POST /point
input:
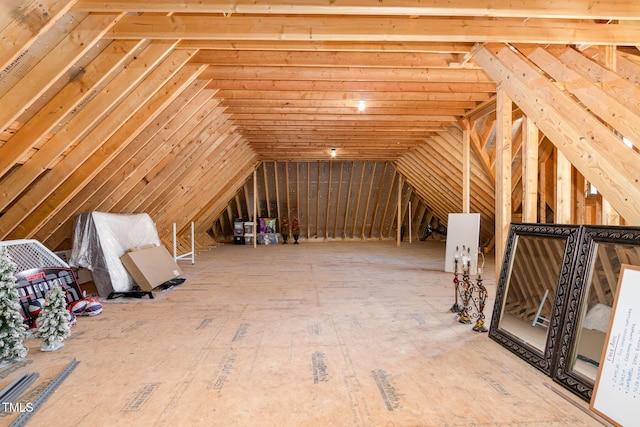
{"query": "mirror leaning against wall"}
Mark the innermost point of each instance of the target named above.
(532, 289)
(600, 255)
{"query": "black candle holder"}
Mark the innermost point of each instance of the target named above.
(473, 295)
(479, 303)
(456, 307)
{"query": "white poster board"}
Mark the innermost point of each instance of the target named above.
(616, 394)
(463, 229)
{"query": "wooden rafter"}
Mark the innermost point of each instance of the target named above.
(21, 25)
(341, 28)
(129, 167)
(580, 132)
(608, 9)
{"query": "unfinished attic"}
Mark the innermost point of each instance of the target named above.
(365, 123)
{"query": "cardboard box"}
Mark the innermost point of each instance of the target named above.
(150, 267)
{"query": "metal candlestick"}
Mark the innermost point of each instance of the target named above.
(467, 287)
(472, 295)
(480, 300)
(456, 308)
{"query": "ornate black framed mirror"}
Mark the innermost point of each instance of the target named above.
(601, 252)
(531, 290)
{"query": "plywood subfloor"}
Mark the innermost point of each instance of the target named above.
(324, 334)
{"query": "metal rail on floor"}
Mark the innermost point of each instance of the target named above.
(44, 395)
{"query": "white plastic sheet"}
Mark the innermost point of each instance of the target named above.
(100, 239)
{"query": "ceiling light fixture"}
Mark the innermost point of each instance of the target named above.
(333, 152)
(361, 105)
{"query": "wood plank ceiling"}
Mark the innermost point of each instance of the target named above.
(168, 106)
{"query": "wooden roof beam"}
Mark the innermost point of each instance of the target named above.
(320, 112)
(342, 28)
(372, 98)
(614, 99)
(159, 177)
(311, 140)
(266, 58)
(356, 133)
(586, 142)
(347, 103)
(20, 26)
(211, 210)
(381, 118)
(343, 74)
(74, 93)
(570, 9)
(352, 86)
(84, 120)
(346, 124)
(49, 69)
(85, 161)
(328, 46)
(321, 155)
(207, 176)
(482, 110)
(130, 163)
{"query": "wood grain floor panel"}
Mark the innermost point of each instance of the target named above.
(316, 334)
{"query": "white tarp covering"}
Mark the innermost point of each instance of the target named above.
(100, 239)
